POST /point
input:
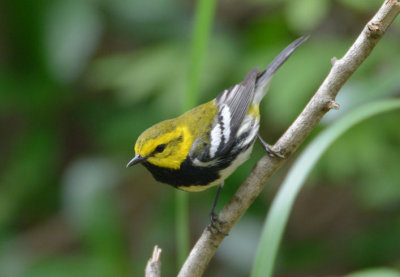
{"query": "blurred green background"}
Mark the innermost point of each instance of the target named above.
(80, 80)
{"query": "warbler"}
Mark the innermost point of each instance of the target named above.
(205, 145)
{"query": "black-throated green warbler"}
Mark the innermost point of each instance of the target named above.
(202, 147)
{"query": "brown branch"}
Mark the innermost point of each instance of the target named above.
(153, 267)
(320, 103)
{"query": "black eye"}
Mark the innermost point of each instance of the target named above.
(160, 148)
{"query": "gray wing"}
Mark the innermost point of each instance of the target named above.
(233, 106)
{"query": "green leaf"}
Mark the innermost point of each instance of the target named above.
(280, 209)
(136, 76)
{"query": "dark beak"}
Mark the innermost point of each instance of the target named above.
(137, 159)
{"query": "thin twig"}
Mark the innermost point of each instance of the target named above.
(153, 267)
(320, 103)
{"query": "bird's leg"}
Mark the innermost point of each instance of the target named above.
(214, 221)
(268, 148)
(214, 205)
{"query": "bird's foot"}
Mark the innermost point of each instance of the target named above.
(215, 224)
(271, 152)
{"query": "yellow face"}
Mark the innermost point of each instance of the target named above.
(165, 145)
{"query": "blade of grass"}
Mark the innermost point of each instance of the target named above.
(375, 272)
(280, 209)
(204, 16)
(182, 225)
(201, 33)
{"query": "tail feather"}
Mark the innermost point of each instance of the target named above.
(265, 76)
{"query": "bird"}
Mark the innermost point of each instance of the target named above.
(205, 145)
